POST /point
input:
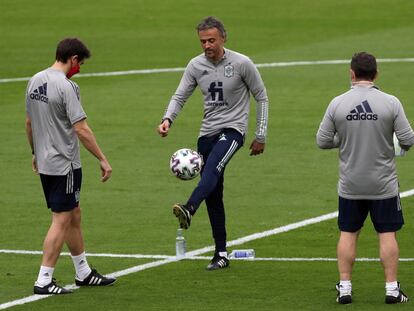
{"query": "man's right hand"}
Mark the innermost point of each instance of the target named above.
(106, 170)
(163, 128)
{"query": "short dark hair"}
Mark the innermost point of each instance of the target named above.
(69, 47)
(212, 22)
(364, 66)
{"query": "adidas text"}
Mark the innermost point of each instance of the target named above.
(42, 98)
(362, 116)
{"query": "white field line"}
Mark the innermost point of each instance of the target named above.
(187, 257)
(173, 259)
(195, 253)
(138, 256)
(169, 257)
(180, 69)
(362, 259)
(157, 263)
(298, 259)
(407, 193)
(144, 256)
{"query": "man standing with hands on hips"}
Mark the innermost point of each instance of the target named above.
(226, 79)
(55, 120)
(361, 123)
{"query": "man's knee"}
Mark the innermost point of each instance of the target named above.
(61, 221)
(76, 217)
(387, 238)
(349, 238)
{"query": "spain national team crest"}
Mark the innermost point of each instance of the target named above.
(228, 71)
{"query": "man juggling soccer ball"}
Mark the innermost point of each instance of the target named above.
(226, 79)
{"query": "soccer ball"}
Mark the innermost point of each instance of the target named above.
(186, 164)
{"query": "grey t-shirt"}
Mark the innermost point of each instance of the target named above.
(53, 105)
(226, 88)
(361, 122)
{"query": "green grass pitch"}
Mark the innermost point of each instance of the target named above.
(131, 214)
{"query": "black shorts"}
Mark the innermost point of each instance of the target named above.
(386, 214)
(62, 193)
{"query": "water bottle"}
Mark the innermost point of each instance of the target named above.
(242, 254)
(180, 244)
(398, 151)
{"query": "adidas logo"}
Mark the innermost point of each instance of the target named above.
(205, 72)
(222, 137)
(362, 112)
(40, 93)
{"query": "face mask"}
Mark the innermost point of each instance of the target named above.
(73, 71)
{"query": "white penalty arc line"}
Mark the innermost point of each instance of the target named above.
(197, 252)
(181, 69)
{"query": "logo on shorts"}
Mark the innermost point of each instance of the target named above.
(362, 112)
(40, 93)
(228, 71)
(77, 195)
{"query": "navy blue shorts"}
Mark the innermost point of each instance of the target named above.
(62, 193)
(386, 214)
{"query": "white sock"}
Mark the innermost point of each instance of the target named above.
(223, 254)
(391, 289)
(81, 266)
(45, 276)
(345, 287)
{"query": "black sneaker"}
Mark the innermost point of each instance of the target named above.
(218, 262)
(95, 279)
(344, 296)
(50, 289)
(401, 298)
(183, 214)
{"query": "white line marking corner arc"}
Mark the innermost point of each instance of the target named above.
(180, 69)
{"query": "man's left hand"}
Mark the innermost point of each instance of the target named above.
(256, 148)
(34, 165)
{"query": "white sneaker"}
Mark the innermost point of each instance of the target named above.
(344, 295)
(399, 298)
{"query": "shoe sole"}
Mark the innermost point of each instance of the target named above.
(344, 300)
(43, 294)
(394, 300)
(180, 214)
(95, 285)
(216, 268)
(48, 293)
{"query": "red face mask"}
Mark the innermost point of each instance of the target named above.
(73, 71)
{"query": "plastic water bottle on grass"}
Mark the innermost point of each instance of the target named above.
(180, 244)
(242, 254)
